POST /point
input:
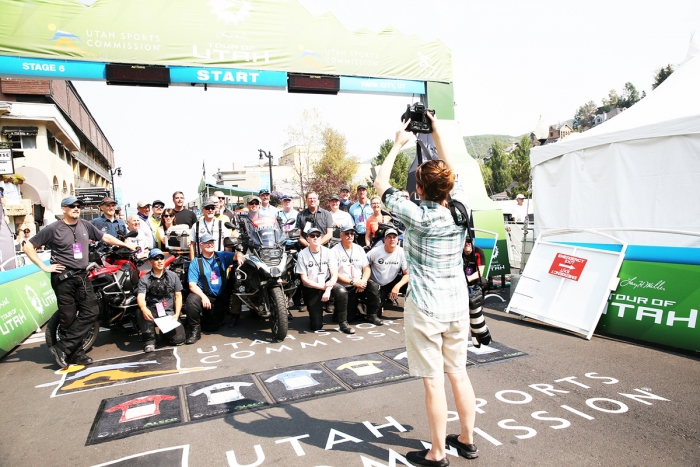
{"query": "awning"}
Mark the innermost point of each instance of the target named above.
(210, 188)
(20, 130)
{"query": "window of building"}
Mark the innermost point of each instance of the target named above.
(54, 187)
(52, 141)
(22, 141)
(65, 188)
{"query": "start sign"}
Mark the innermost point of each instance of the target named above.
(567, 266)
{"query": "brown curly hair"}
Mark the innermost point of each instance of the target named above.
(436, 180)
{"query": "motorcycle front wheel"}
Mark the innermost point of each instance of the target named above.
(279, 313)
(53, 325)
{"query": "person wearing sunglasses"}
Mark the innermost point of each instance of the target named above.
(159, 295)
(354, 273)
(143, 209)
(223, 205)
(167, 223)
(208, 224)
(266, 209)
(318, 270)
(77, 304)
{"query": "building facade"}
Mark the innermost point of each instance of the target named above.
(57, 147)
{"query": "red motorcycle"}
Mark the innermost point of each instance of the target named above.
(114, 275)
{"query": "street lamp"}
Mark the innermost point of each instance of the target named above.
(117, 171)
(126, 210)
(269, 160)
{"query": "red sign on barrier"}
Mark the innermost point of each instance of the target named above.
(567, 266)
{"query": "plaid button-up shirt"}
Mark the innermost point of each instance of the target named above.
(433, 244)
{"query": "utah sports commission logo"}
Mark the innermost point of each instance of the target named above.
(34, 299)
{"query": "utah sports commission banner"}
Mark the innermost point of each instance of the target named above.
(278, 35)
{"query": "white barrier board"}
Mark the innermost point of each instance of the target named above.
(566, 286)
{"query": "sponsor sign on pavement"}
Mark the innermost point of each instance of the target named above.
(299, 382)
(366, 370)
(223, 396)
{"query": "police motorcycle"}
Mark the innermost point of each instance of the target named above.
(266, 280)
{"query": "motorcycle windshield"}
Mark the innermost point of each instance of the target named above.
(265, 232)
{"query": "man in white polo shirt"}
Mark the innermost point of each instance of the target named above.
(389, 266)
(354, 273)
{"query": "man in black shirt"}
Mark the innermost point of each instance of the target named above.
(77, 305)
(314, 216)
(182, 215)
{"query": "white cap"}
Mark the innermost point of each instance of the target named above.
(520, 196)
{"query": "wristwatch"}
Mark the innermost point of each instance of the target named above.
(352, 281)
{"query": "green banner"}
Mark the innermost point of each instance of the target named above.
(26, 304)
(655, 302)
(276, 35)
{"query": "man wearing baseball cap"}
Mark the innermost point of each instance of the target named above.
(208, 224)
(287, 213)
(519, 212)
(208, 300)
(345, 201)
(354, 273)
(108, 222)
(77, 304)
(223, 205)
(389, 266)
(340, 217)
(317, 267)
(159, 295)
(145, 227)
(156, 214)
(360, 211)
(266, 209)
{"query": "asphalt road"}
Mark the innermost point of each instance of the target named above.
(569, 401)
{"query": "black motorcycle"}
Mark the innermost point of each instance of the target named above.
(266, 279)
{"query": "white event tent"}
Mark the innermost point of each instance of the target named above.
(639, 170)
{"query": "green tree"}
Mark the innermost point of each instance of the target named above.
(585, 116)
(520, 167)
(661, 75)
(630, 96)
(611, 101)
(399, 173)
(335, 168)
(500, 170)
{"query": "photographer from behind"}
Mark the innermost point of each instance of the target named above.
(77, 304)
(436, 311)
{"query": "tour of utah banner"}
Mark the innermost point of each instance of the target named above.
(270, 35)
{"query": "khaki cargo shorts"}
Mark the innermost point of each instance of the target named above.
(434, 347)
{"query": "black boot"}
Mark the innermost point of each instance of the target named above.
(374, 320)
(345, 327)
(195, 335)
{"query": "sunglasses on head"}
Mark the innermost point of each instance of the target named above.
(314, 235)
(254, 203)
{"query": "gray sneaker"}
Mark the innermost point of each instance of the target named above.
(149, 348)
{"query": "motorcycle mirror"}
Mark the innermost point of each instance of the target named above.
(132, 234)
(229, 226)
(290, 221)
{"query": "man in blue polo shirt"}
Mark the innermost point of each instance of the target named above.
(360, 211)
(208, 300)
(108, 222)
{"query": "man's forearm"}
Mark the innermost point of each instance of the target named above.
(31, 253)
(381, 183)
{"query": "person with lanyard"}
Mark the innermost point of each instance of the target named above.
(354, 273)
(266, 209)
(287, 212)
(219, 212)
(473, 258)
(208, 300)
(318, 270)
(314, 216)
(183, 215)
(144, 210)
(208, 224)
(108, 222)
(345, 201)
(134, 224)
(154, 220)
(360, 211)
(389, 266)
(436, 312)
(77, 304)
(223, 205)
(159, 295)
(372, 222)
(340, 218)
